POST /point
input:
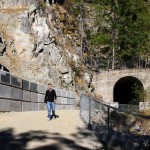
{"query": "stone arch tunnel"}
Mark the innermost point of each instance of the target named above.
(124, 90)
(115, 85)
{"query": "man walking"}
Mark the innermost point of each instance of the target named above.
(50, 99)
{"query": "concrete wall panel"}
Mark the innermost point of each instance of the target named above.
(26, 106)
(34, 106)
(63, 93)
(42, 89)
(41, 98)
(42, 106)
(4, 105)
(16, 81)
(33, 87)
(25, 85)
(15, 106)
(58, 92)
(5, 91)
(5, 77)
(16, 94)
(26, 95)
(34, 97)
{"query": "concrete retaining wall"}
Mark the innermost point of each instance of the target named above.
(17, 94)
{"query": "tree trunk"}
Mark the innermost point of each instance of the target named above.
(81, 30)
(113, 35)
(139, 64)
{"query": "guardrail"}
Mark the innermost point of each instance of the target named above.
(118, 130)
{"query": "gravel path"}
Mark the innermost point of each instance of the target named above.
(33, 131)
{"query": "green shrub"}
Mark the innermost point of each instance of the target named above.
(43, 5)
(78, 70)
(139, 94)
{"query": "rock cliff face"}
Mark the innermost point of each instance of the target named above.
(36, 41)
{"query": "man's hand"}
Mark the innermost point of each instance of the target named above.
(55, 101)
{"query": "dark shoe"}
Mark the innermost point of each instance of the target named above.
(50, 118)
(55, 116)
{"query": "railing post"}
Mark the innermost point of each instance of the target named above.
(108, 127)
(80, 104)
(89, 111)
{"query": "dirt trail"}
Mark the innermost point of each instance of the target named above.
(32, 130)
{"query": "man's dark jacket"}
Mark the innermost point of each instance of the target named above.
(50, 96)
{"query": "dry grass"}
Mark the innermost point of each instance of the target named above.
(145, 112)
(80, 83)
(125, 122)
(98, 96)
(71, 63)
(145, 126)
(13, 10)
(4, 31)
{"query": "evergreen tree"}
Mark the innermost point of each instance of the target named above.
(122, 31)
(133, 30)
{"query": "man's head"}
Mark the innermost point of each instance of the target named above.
(49, 86)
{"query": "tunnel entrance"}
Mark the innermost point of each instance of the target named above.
(128, 90)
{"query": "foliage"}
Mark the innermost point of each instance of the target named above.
(122, 26)
(43, 5)
(73, 7)
(145, 112)
(99, 39)
(71, 63)
(80, 83)
(4, 32)
(139, 94)
(77, 69)
(133, 27)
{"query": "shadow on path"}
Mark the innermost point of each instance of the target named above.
(11, 141)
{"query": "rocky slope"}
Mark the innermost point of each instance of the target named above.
(40, 42)
(33, 43)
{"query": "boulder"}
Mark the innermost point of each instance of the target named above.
(98, 119)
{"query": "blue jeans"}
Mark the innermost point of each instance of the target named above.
(50, 107)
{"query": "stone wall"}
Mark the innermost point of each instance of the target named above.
(18, 94)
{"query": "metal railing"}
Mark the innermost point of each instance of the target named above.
(118, 130)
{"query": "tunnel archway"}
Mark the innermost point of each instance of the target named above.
(124, 90)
